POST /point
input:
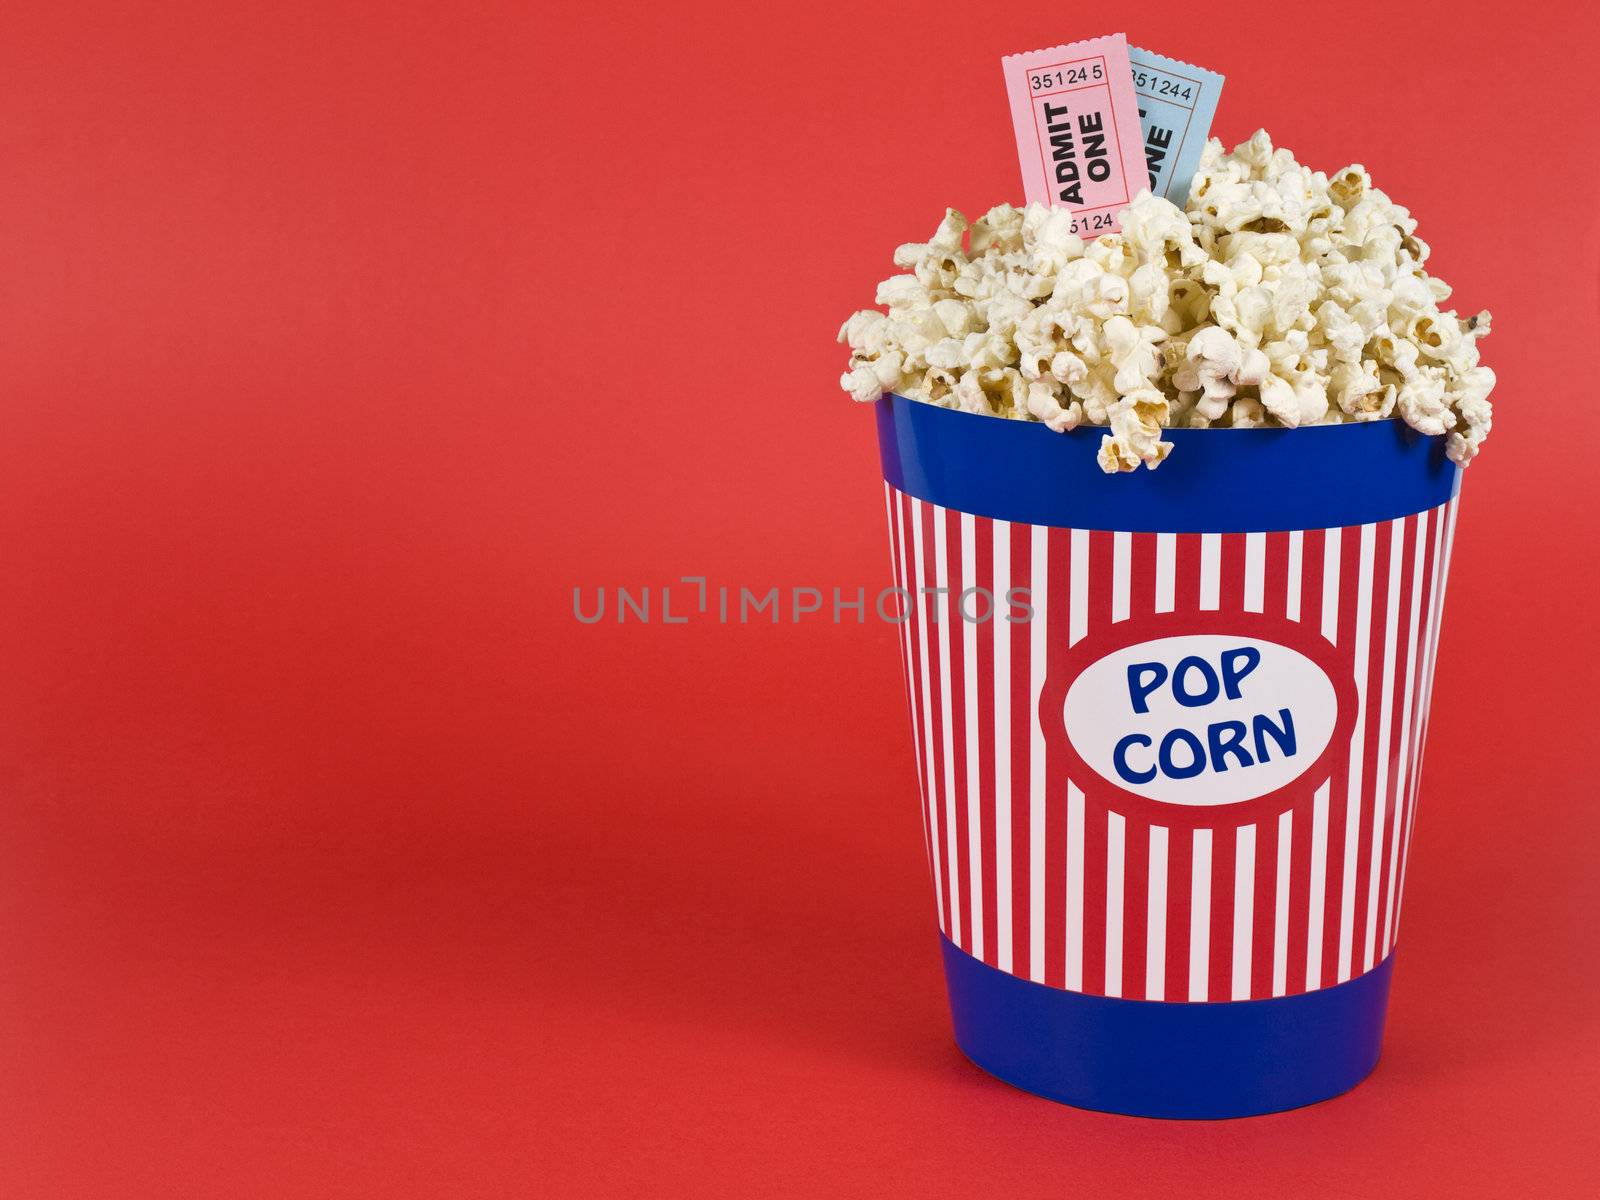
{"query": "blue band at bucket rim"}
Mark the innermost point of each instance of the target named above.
(1146, 1058)
(1214, 481)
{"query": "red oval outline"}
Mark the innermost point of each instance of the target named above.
(1108, 639)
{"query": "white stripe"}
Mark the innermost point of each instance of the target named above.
(1038, 581)
(1280, 915)
(1380, 777)
(1244, 892)
(1317, 889)
(1291, 605)
(1155, 950)
(1210, 569)
(1330, 584)
(1002, 745)
(1078, 587)
(1317, 885)
(1255, 571)
(1352, 816)
(1074, 888)
(969, 677)
(1166, 570)
(1200, 915)
(924, 671)
(1122, 564)
(1116, 834)
(1402, 789)
(941, 580)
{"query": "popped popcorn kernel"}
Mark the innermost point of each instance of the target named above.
(1279, 296)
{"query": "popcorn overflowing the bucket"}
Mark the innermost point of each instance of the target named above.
(1279, 296)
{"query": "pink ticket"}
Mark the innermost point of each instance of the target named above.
(1077, 123)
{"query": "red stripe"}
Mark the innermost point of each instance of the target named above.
(1381, 547)
(1266, 911)
(928, 605)
(1180, 874)
(1022, 719)
(1394, 783)
(1135, 905)
(983, 577)
(1338, 805)
(955, 633)
(1057, 572)
(1263, 917)
(1230, 593)
(1224, 855)
(1094, 897)
(1275, 592)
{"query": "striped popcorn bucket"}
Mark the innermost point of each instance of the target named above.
(1168, 729)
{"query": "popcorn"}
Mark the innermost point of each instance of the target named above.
(1278, 297)
(1044, 405)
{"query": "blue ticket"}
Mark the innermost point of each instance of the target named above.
(1176, 104)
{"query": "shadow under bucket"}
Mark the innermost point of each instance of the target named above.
(1168, 729)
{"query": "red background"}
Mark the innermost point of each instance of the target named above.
(339, 341)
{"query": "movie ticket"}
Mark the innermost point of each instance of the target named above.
(1076, 118)
(1176, 104)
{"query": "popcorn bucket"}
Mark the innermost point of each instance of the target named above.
(1168, 729)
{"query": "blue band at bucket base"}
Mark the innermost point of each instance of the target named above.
(1214, 481)
(1231, 1059)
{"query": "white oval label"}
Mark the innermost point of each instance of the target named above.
(1201, 719)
